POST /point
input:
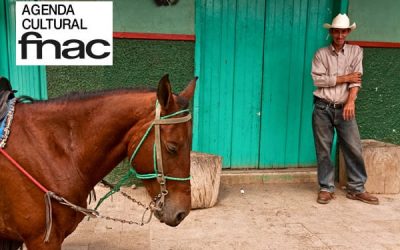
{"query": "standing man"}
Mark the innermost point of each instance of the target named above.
(337, 71)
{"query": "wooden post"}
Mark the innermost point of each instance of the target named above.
(205, 170)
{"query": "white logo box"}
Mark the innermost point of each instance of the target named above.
(79, 33)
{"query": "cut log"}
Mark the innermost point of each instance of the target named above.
(206, 176)
(382, 163)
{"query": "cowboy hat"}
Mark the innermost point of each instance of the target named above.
(341, 21)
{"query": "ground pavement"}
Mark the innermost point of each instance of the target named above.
(264, 216)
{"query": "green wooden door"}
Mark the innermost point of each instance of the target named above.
(28, 80)
(254, 99)
(293, 32)
(230, 63)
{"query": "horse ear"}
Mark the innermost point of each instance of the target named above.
(188, 92)
(164, 93)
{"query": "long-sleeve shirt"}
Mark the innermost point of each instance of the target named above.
(328, 64)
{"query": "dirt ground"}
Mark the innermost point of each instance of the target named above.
(265, 216)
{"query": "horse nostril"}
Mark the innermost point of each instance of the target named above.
(180, 216)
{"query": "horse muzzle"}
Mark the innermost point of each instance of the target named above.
(171, 217)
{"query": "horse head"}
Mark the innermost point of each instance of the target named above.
(163, 161)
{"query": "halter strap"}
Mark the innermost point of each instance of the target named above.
(159, 163)
(165, 120)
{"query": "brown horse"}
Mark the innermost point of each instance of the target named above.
(69, 144)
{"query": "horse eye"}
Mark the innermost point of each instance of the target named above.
(171, 148)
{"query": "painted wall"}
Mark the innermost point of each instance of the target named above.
(146, 16)
(376, 20)
(136, 63)
(378, 104)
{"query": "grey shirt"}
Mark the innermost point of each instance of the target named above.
(328, 64)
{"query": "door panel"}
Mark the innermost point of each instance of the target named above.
(229, 43)
(247, 83)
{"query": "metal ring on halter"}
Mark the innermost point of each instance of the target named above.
(150, 216)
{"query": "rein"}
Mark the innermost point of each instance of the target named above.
(157, 159)
(48, 196)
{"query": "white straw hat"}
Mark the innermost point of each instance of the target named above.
(341, 21)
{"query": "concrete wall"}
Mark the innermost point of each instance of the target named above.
(145, 16)
(376, 20)
(379, 99)
(378, 105)
(136, 63)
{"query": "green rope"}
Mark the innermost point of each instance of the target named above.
(174, 114)
(117, 187)
(178, 178)
(141, 142)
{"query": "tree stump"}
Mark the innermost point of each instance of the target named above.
(382, 163)
(205, 170)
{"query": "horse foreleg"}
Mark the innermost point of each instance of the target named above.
(39, 244)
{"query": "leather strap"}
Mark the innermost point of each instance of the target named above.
(183, 119)
(160, 170)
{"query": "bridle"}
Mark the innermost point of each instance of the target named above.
(157, 152)
(159, 200)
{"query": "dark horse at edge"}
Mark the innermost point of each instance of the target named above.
(70, 144)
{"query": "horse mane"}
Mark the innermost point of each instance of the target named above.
(85, 95)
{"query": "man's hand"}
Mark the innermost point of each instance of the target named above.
(354, 77)
(349, 111)
(350, 78)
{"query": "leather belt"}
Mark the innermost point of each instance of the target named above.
(328, 103)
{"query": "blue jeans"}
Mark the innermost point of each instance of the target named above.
(324, 120)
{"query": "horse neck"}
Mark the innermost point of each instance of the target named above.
(102, 128)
